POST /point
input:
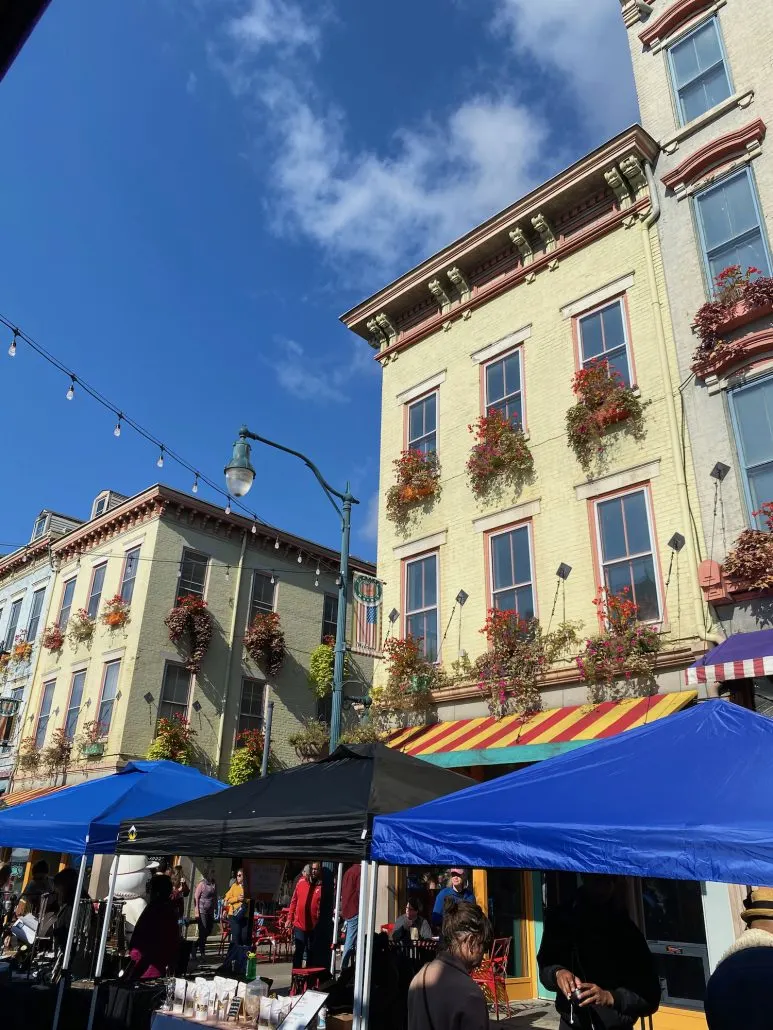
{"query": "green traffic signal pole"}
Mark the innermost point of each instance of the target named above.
(240, 474)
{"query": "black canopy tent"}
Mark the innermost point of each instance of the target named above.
(322, 810)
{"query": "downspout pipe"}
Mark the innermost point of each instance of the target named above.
(673, 423)
(231, 649)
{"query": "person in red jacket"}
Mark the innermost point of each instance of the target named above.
(350, 911)
(304, 911)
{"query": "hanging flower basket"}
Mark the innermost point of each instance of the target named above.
(21, 652)
(311, 743)
(52, 639)
(115, 613)
(321, 668)
(603, 401)
(619, 662)
(90, 741)
(80, 628)
(28, 756)
(750, 562)
(173, 741)
(407, 693)
(56, 757)
(264, 642)
(247, 758)
(418, 482)
(500, 453)
(739, 298)
(190, 626)
(5, 659)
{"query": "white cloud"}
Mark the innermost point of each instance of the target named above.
(319, 381)
(274, 23)
(368, 528)
(586, 44)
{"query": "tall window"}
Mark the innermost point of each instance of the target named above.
(504, 390)
(66, 606)
(627, 558)
(699, 71)
(39, 527)
(251, 706)
(421, 608)
(603, 337)
(130, 563)
(37, 607)
(95, 591)
(752, 408)
(262, 596)
(731, 226)
(511, 582)
(13, 623)
(44, 714)
(330, 616)
(109, 692)
(193, 574)
(175, 692)
(74, 706)
(422, 425)
(9, 722)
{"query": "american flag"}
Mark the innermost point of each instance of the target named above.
(367, 614)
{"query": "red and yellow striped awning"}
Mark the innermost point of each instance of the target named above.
(514, 739)
(18, 797)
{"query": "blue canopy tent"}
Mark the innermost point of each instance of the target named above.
(687, 797)
(84, 820)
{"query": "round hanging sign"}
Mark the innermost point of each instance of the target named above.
(367, 590)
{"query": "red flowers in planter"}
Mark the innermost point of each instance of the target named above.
(620, 661)
(737, 297)
(500, 450)
(603, 400)
(264, 642)
(190, 622)
(751, 560)
(418, 479)
(115, 614)
(52, 639)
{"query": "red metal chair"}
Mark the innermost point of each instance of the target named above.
(302, 980)
(491, 975)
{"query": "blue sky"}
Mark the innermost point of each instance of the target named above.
(192, 191)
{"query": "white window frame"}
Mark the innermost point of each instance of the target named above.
(96, 594)
(133, 579)
(428, 608)
(505, 531)
(65, 586)
(675, 94)
(642, 488)
(252, 611)
(39, 529)
(489, 404)
(44, 715)
(74, 708)
(580, 315)
(421, 400)
(105, 729)
(32, 630)
(176, 707)
(186, 593)
(14, 617)
(262, 686)
(732, 394)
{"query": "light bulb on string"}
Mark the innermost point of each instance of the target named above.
(254, 527)
(300, 558)
(228, 506)
(276, 544)
(117, 430)
(71, 390)
(317, 571)
(12, 348)
(195, 487)
(272, 579)
(338, 581)
(316, 582)
(160, 462)
(228, 572)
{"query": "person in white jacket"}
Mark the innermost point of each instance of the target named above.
(738, 992)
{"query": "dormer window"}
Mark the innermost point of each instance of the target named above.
(99, 505)
(40, 526)
(105, 501)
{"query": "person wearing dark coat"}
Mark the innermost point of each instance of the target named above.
(597, 961)
(738, 992)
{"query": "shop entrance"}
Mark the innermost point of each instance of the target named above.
(510, 909)
(673, 922)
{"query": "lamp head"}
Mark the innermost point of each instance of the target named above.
(239, 473)
(563, 571)
(676, 543)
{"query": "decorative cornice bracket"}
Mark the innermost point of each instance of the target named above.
(435, 287)
(459, 281)
(619, 186)
(518, 236)
(545, 231)
(632, 169)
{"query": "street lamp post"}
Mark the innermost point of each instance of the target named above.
(240, 475)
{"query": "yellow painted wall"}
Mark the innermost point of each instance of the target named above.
(561, 529)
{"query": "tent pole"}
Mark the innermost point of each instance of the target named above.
(359, 962)
(103, 940)
(336, 919)
(367, 972)
(63, 977)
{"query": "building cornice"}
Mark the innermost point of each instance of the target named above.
(743, 142)
(25, 558)
(672, 19)
(524, 227)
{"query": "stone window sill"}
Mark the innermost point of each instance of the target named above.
(671, 143)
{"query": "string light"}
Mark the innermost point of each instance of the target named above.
(228, 506)
(254, 528)
(195, 487)
(276, 544)
(160, 462)
(338, 581)
(272, 579)
(117, 430)
(71, 391)
(316, 582)
(317, 572)
(12, 348)
(300, 558)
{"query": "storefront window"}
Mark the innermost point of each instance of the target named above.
(676, 933)
(507, 915)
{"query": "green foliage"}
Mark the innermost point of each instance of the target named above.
(321, 666)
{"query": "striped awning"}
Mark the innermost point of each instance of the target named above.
(514, 739)
(741, 656)
(18, 797)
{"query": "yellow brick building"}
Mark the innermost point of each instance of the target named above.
(504, 317)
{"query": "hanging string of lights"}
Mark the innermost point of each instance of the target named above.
(122, 419)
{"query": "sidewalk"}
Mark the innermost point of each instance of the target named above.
(531, 1016)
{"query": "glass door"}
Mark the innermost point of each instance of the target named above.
(676, 933)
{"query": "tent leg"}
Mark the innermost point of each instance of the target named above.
(359, 963)
(70, 938)
(103, 941)
(336, 920)
(367, 972)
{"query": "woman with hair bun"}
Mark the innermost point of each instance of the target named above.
(442, 996)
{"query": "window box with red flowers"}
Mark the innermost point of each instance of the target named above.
(264, 642)
(52, 639)
(190, 626)
(603, 401)
(749, 565)
(21, 652)
(173, 741)
(115, 613)
(80, 628)
(407, 694)
(620, 661)
(418, 482)
(91, 741)
(739, 298)
(500, 454)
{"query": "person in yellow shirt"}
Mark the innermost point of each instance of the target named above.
(236, 905)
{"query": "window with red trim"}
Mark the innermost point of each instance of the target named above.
(626, 551)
